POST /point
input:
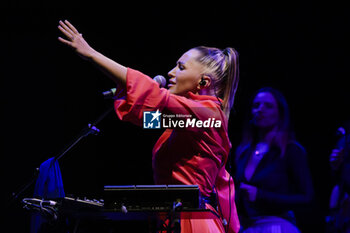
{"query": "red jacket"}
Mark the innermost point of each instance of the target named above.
(188, 155)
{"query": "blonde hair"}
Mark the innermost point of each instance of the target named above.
(222, 67)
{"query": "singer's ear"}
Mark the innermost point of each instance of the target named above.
(205, 81)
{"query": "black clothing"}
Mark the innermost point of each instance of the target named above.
(283, 183)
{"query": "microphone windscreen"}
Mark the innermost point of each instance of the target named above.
(161, 80)
(341, 131)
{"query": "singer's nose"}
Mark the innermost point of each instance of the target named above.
(171, 73)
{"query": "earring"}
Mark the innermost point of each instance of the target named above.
(202, 82)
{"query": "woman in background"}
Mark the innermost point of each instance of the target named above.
(271, 168)
(339, 205)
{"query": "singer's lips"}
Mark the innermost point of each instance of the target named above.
(171, 83)
(259, 117)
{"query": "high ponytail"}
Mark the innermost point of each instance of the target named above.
(223, 67)
(232, 79)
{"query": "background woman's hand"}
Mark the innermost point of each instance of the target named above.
(249, 191)
(75, 40)
(336, 158)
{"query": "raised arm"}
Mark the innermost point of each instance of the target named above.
(75, 40)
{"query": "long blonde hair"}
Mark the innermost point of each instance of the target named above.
(223, 68)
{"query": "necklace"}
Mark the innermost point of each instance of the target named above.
(261, 149)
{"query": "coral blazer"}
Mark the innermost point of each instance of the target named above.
(189, 155)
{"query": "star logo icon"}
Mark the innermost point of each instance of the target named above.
(151, 119)
(156, 115)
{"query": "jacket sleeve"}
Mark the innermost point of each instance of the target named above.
(144, 94)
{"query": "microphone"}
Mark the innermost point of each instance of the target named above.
(160, 80)
(111, 93)
(341, 131)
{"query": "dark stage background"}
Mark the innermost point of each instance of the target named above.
(48, 93)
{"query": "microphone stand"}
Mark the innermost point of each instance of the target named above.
(89, 129)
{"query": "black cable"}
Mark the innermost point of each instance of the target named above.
(219, 206)
(229, 199)
(229, 189)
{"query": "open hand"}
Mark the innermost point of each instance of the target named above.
(75, 39)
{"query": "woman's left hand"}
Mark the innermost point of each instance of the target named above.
(249, 191)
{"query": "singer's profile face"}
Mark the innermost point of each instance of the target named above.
(265, 110)
(185, 76)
